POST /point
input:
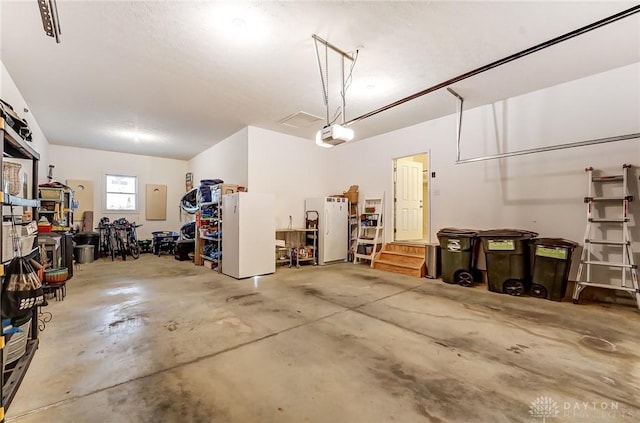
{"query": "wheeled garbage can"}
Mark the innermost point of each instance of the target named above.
(458, 255)
(508, 259)
(551, 264)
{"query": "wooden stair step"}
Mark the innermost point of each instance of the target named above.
(400, 253)
(393, 263)
(405, 248)
(403, 269)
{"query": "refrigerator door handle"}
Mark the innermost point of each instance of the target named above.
(326, 221)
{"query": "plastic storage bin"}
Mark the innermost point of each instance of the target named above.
(145, 245)
(551, 264)
(17, 343)
(164, 241)
(458, 255)
(508, 259)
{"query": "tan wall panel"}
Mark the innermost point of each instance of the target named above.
(83, 192)
(156, 202)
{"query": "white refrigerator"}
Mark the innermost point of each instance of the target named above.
(333, 217)
(248, 234)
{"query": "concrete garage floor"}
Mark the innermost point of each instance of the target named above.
(157, 340)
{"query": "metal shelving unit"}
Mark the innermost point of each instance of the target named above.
(13, 146)
(62, 203)
(201, 240)
(296, 240)
(352, 231)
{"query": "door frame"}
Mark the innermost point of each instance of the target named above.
(394, 161)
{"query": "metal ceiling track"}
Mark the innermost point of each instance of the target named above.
(538, 47)
(549, 148)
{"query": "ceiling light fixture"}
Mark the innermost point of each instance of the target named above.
(333, 134)
(136, 135)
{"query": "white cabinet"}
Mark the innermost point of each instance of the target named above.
(249, 234)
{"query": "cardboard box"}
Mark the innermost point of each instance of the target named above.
(351, 194)
(217, 191)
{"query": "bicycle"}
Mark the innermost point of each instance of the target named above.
(126, 238)
(108, 245)
(113, 243)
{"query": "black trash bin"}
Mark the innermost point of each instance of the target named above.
(508, 259)
(551, 264)
(458, 255)
(89, 238)
(183, 248)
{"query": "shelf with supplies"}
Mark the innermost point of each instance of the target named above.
(56, 206)
(352, 196)
(297, 246)
(210, 238)
(352, 231)
(209, 234)
(15, 147)
(207, 258)
(208, 245)
(370, 227)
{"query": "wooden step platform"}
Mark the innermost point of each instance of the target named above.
(407, 259)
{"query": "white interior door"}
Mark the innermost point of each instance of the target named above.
(408, 200)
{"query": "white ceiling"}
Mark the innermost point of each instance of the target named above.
(173, 78)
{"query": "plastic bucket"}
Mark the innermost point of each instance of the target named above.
(84, 254)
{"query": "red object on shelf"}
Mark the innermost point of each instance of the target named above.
(44, 228)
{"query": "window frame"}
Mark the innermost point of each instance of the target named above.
(106, 193)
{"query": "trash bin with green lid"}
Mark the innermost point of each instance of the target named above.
(458, 255)
(551, 263)
(508, 259)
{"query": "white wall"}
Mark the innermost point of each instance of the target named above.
(86, 164)
(542, 192)
(292, 169)
(9, 92)
(227, 160)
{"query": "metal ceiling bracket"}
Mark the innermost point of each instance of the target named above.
(325, 87)
(324, 74)
(334, 48)
(50, 20)
(459, 109)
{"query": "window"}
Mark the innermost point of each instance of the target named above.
(122, 193)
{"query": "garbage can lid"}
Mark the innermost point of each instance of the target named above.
(457, 232)
(555, 242)
(512, 233)
(87, 234)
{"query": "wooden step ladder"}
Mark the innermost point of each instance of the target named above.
(626, 266)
